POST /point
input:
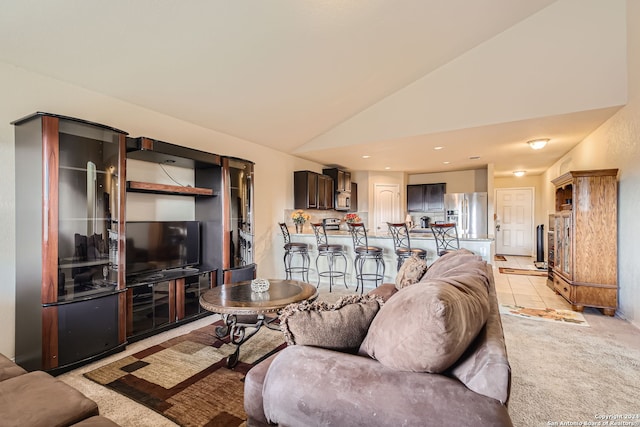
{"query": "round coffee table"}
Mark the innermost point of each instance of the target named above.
(237, 299)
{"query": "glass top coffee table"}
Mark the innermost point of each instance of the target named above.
(236, 302)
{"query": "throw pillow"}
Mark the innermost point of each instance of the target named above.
(411, 271)
(428, 326)
(341, 326)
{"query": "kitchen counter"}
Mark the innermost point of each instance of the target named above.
(481, 245)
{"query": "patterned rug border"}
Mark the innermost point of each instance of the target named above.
(545, 314)
(182, 378)
(523, 271)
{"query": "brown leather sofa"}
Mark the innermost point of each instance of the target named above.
(36, 399)
(308, 385)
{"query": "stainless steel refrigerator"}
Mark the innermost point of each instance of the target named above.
(468, 211)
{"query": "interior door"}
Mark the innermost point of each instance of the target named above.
(386, 206)
(514, 221)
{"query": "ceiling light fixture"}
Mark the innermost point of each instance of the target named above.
(365, 156)
(474, 157)
(438, 148)
(537, 144)
(519, 173)
(387, 167)
(446, 163)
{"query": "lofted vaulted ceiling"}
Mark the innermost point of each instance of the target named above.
(333, 80)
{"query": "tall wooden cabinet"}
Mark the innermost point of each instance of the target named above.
(70, 287)
(585, 239)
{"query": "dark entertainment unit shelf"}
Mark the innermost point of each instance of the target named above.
(150, 187)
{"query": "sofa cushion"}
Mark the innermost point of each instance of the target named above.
(450, 263)
(9, 369)
(37, 399)
(341, 326)
(411, 271)
(428, 326)
(97, 421)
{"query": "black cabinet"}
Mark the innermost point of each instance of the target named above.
(305, 190)
(312, 190)
(151, 307)
(354, 198)
(426, 197)
(341, 179)
(325, 192)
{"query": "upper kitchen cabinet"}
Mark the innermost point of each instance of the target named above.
(426, 197)
(325, 192)
(341, 188)
(341, 179)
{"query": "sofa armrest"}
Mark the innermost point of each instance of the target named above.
(307, 386)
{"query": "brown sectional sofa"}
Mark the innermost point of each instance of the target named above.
(36, 399)
(402, 384)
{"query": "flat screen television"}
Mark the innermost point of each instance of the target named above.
(161, 245)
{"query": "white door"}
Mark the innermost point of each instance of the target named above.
(514, 221)
(386, 206)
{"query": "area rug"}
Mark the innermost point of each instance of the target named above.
(186, 379)
(545, 314)
(499, 258)
(523, 271)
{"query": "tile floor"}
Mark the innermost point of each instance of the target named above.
(525, 291)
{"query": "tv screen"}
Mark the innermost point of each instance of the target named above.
(161, 245)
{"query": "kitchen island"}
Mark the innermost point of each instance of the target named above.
(422, 238)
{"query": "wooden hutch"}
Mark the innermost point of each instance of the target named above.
(585, 239)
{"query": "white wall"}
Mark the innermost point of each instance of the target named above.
(616, 144)
(24, 93)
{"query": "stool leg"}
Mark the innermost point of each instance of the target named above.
(318, 269)
(344, 272)
(330, 271)
(287, 264)
(306, 263)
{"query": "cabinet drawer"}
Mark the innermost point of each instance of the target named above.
(562, 287)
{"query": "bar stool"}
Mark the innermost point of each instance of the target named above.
(291, 249)
(365, 252)
(446, 237)
(331, 252)
(402, 243)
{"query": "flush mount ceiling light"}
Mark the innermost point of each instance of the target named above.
(438, 148)
(365, 156)
(519, 173)
(537, 144)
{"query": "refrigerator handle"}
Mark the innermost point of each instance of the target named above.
(465, 215)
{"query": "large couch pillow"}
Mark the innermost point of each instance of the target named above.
(411, 271)
(341, 326)
(428, 326)
(452, 263)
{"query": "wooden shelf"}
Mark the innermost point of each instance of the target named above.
(149, 187)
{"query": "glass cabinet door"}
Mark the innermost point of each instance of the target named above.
(566, 244)
(88, 210)
(241, 212)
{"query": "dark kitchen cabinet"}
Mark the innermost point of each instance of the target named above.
(425, 197)
(341, 179)
(354, 197)
(305, 190)
(325, 192)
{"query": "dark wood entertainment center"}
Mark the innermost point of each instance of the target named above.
(75, 301)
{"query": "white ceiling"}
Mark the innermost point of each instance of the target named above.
(305, 76)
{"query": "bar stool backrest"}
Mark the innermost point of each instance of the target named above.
(285, 232)
(446, 237)
(358, 234)
(400, 234)
(320, 232)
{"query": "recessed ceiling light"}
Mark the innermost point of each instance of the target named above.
(519, 173)
(537, 144)
(365, 156)
(387, 167)
(446, 163)
(438, 148)
(474, 157)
